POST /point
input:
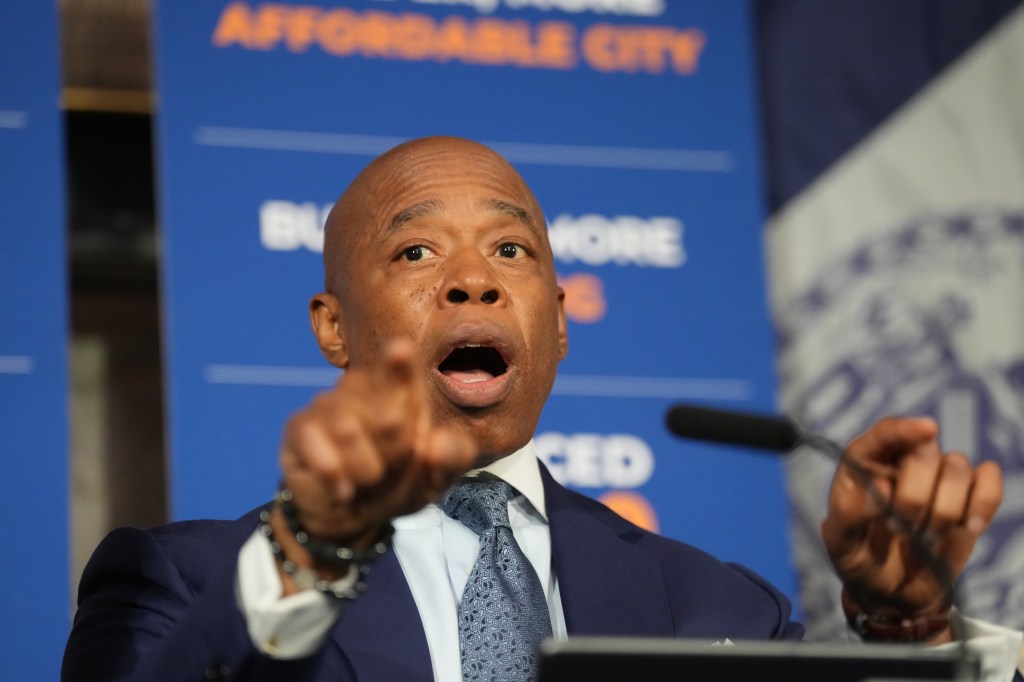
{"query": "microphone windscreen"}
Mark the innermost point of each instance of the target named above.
(733, 428)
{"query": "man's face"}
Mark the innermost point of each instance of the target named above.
(445, 245)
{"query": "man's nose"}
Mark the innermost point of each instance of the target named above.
(471, 279)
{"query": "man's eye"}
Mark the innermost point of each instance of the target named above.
(511, 250)
(415, 253)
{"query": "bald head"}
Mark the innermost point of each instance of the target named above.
(383, 195)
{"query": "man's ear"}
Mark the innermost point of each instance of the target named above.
(325, 316)
(563, 333)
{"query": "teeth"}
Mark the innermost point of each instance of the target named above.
(472, 345)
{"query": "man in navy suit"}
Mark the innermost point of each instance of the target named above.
(441, 304)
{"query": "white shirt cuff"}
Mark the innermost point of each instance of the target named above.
(290, 627)
(998, 649)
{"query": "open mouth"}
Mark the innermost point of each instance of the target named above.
(473, 363)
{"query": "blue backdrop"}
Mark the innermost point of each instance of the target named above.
(636, 129)
(33, 337)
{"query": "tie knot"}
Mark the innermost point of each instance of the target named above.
(478, 503)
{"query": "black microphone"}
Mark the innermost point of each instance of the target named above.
(759, 431)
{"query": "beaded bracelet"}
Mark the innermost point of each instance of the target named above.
(348, 587)
(894, 628)
(323, 551)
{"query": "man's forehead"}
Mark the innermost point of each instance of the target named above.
(413, 180)
(408, 160)
(432, 207)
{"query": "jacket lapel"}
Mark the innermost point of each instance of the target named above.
(608, 584)
(380, 634)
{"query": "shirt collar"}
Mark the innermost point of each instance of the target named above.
(520, 470)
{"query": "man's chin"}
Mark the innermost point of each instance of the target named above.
(496, 430)
(484, 460)
(492, 441)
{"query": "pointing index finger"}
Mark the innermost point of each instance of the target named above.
(395, 381)
(398, 411)
(398, 362)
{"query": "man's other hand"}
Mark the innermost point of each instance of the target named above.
(943, 499)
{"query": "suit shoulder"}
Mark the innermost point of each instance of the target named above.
(192, 551)
(194, 535)
(669, 550)
(706, 595)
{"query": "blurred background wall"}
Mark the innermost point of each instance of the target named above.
(838, 81)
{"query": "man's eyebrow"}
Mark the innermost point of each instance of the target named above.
(517, 212)
(417, 210)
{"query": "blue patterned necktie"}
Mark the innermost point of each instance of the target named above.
(503, 616)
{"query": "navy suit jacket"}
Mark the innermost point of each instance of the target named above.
(160, 604)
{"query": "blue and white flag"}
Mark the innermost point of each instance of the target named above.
(897, 284)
